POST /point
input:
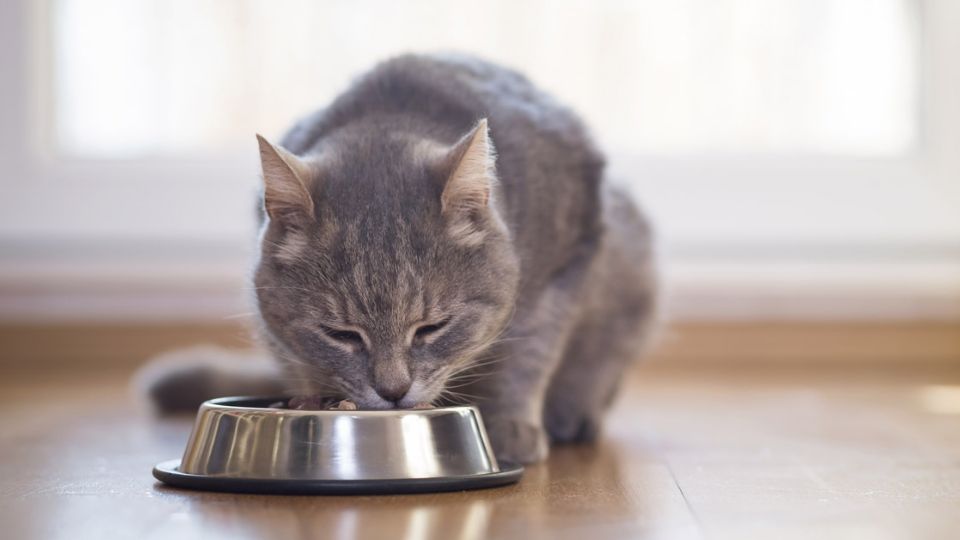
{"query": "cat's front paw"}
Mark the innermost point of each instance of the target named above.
(518, 441)
(573, 426)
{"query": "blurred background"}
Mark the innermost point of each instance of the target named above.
(801, 159)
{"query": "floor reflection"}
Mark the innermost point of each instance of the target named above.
(550, 495)
(758, 457)
(409, 517)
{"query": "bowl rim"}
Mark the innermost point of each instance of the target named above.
(169, 473)
(229, 403)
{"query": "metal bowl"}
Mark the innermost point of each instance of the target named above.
(240, 444)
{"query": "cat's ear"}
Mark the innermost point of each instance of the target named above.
(466, 198)
(285, 179)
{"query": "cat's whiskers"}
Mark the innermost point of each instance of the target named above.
(461, 374)
(239, 315)
(322, 385)
(461, 397)
(511, 339)
(474, 364)
(302, 289)
(318, 379)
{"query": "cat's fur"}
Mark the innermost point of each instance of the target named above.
(449, 195)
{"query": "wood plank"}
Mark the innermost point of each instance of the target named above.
(79, 462)
(737, 454)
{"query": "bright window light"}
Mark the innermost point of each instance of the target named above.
(820, 77)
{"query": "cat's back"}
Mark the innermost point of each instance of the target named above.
(444, 95)
(548, 166)
(457, 89)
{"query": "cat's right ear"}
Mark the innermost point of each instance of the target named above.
(468, 191)
(286, 197)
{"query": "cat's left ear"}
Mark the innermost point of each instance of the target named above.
(466, 199)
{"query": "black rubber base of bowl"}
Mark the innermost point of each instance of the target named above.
(168, 472)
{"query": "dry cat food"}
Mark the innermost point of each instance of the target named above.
(317, 403)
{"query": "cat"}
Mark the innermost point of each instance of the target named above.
(442, 232)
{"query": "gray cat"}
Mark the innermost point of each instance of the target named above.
(442, 233)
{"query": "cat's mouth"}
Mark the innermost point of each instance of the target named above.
(417, 397)
(321, 403)
(421, 394)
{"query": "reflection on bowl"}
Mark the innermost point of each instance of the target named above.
(241, 437)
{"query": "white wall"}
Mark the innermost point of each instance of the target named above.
(766, 226)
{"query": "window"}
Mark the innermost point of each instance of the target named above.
(652, 77)
(789, 137)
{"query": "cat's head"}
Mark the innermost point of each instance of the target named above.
(385, 264)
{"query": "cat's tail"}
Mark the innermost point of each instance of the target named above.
(180, 380)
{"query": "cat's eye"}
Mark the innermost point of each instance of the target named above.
(348, 337)
(425, 331)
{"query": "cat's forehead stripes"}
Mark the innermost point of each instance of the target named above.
(383, 287)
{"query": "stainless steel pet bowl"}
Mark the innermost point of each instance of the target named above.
(240, 444)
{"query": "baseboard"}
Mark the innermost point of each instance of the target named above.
(80, 347)
(812, 343)
(29, 348)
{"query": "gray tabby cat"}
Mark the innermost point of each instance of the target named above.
(442, 232)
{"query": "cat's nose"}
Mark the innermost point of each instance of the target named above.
(393, 392)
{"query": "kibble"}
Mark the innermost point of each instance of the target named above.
(318, 403)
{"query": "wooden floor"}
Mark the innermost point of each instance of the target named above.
(687, 455)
